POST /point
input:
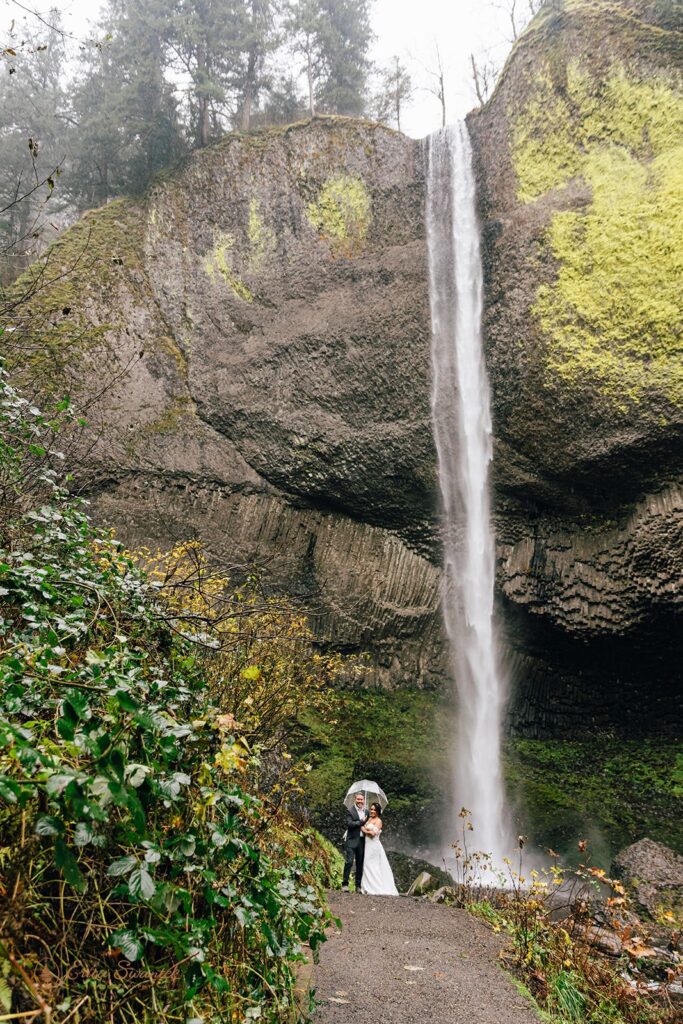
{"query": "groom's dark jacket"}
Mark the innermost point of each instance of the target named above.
(354, 836)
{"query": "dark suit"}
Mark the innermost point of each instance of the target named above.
(354, 846)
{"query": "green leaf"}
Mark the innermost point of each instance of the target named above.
(67, 724)
(9, 790)
(141, 883)
(126, 701)
(56, 784)
(188, 845)
(136, 774)
(117, 764)
(47, 825)
(83, 834)
(122, 867)
(5, 996)
(67, 863)
(78, 701)
(129, 944)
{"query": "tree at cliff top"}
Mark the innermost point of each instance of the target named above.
(31, 130)
(396, 88)
(221, 48)
(126, 120)
(257, 39)
(345, 38)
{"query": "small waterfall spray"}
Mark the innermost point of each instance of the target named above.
(462, 430)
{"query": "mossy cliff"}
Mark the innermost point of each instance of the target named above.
(255, 334)
(579, 159)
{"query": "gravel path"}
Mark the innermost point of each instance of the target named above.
(400, 960)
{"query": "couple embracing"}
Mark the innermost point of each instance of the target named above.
(362, 843)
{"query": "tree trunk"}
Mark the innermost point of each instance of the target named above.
(477, 84)
(249, 90)
(202, 100)
(513, 23)
(309, 76)
(204, 128)
(246, 110)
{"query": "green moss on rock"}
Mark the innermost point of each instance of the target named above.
(342, 214)
(400, 736)
(219, 264)
(610, 791)
(233, 256)
(97, 256)
(611, 318)
(613, 314)
(261, 237)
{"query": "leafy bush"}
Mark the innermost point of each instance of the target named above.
(146, 873)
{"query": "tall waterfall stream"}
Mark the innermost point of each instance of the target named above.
(462, 430)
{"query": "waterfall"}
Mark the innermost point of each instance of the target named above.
(462, 431)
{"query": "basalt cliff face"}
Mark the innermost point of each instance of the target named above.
(258, 328)
(580, 157)
(257, 331)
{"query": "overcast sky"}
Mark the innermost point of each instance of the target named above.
(409, 29)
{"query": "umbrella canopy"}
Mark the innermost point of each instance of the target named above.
(370, 790)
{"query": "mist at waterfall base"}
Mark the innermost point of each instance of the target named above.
(462, 431)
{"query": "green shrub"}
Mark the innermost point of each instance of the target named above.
(147, 877)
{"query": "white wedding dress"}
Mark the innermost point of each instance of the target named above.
(378, 878)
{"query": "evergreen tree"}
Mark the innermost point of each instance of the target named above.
(284, 103)
(333, 38)
(304, 27)
(345, 41)
(126, 116)
(202, 37)
(32, 130)
(257, 39)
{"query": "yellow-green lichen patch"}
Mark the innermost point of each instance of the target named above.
(545, 151)
(613, 314)
(261, 238)
(171, 346)
(170, 419)
(558, 129)
(342, 214)
(611, 319)
(219, 261)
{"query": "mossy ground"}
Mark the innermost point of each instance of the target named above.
(608, 790)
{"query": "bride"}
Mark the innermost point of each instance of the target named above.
(378, 879)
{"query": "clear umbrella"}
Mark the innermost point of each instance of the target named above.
(370, 790)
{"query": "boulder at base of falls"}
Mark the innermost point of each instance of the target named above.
(407, 870)
(444, 894)
(653, 874)
(424, 883)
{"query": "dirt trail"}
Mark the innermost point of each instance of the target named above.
(400, 960)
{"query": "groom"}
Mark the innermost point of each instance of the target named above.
(354, 844)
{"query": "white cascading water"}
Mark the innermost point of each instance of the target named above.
(462, 430)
